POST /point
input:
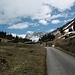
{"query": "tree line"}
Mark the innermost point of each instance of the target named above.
(47, 37)
(16, 39)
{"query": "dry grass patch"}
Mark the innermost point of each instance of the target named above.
(68, 45)
(22, 59)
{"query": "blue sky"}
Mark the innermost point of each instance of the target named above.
(20, 17)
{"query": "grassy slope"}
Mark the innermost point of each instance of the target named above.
(22, 59)
(66, 44)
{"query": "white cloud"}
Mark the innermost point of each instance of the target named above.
(42, 13)
(61, 5)
(66, 21)
(11, 10)
(51, 30)
(33, 24)
(59, 15)
(30, 32)
(44, 22)
(19, 26)
(55, 21)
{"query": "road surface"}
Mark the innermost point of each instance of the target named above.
(59, 63)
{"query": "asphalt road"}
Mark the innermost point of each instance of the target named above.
(59, 63)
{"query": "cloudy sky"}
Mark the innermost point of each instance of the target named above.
(23, 16)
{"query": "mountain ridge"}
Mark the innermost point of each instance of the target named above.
(35, 36)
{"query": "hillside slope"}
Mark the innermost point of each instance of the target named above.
(66, 44)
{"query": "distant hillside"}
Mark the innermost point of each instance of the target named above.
(67, 27)
(65, 37)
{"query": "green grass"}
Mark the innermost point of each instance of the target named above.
(22, 59)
